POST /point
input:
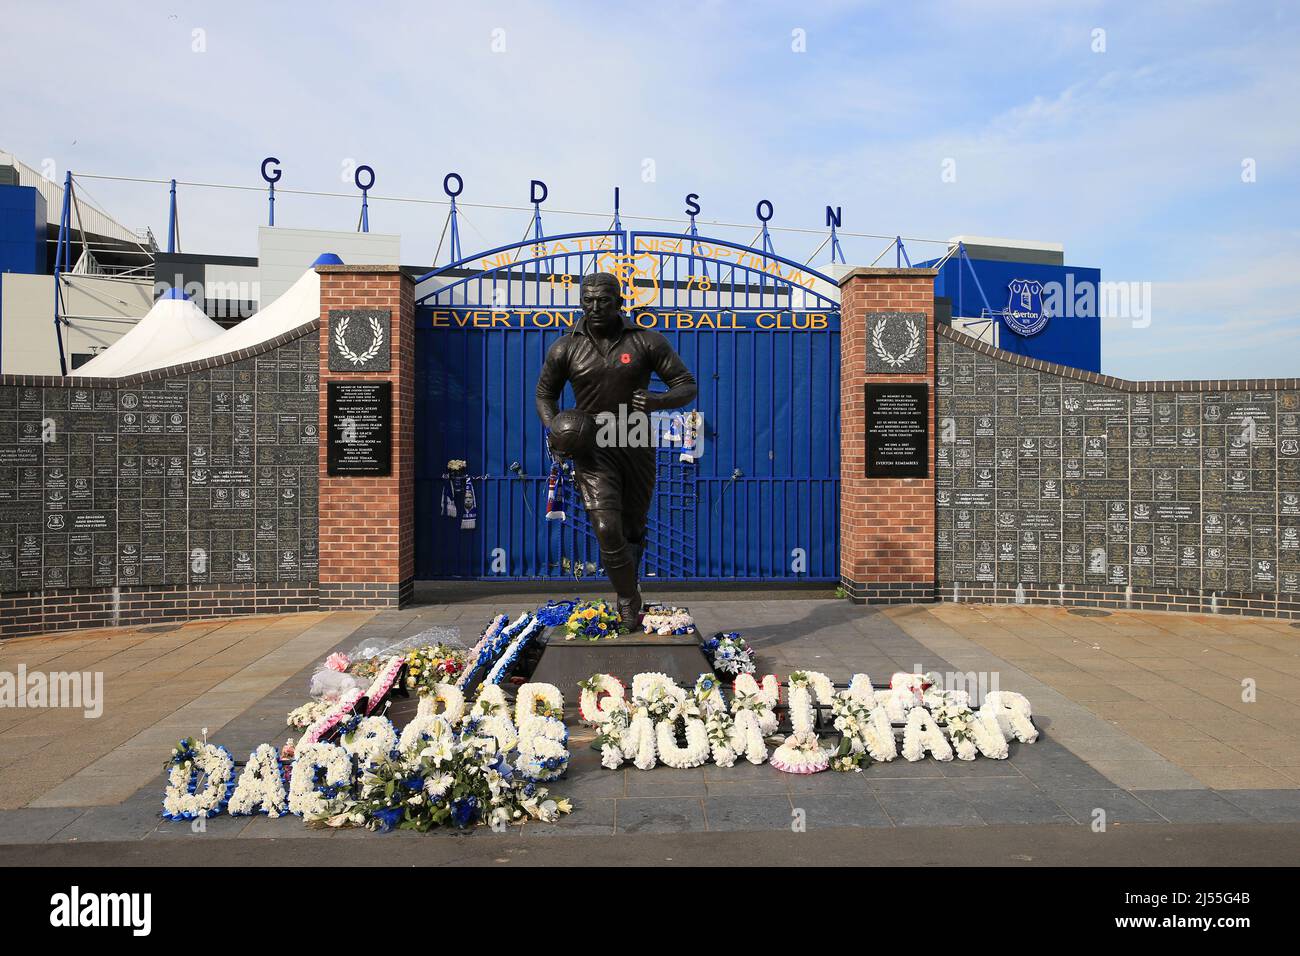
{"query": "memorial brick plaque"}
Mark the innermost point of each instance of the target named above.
(360, 428)
(898, 443)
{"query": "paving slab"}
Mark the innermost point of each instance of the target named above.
(749, 812)
(1193, 806)
(826, 811)
(929, 809)
(659, 815)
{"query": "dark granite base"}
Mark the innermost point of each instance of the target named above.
(564, 663)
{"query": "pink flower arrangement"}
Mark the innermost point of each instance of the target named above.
(327, 723)
(338, 662)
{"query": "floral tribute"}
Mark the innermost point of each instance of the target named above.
(599, 694)
(434, 664)
(459, 767)
(662, 619)
(261, 786)
(802, 752)
(517, 635)
(490, 644)
(664, 723)
(382, 685)
(730, 654)
(543, 739)
(300, 718)
(200, 779)
(591, 621)
(339, 711)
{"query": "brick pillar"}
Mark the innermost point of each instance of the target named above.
(886, 524)
(367, 533)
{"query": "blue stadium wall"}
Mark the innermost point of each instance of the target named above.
(1073, 340)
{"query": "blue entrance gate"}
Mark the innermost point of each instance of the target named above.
(761, 334)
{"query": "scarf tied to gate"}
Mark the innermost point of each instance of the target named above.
(555, 494)
(458, 499)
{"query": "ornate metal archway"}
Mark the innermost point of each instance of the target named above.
(761, 331)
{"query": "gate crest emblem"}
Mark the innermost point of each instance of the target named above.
(638, 276)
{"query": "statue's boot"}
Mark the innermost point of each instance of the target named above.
(621, 567)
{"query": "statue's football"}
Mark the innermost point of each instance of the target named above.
(573, 433)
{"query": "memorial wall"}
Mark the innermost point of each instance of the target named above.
(1060, 486)
(178, 492)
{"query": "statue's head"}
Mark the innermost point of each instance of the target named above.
(602, 299)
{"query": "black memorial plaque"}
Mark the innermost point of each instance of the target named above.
(360, 428)
(898, 441)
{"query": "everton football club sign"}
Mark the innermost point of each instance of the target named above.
(1025, 313)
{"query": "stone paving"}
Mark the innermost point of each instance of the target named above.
(1140, 714)
(1172, 684)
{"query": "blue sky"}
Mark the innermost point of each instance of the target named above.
(1131, 157)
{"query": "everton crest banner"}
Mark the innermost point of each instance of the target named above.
(1025, 314)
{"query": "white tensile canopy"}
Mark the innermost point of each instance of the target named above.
(173, 324)
(299, 305)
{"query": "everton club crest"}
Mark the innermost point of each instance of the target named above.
(1025, 313)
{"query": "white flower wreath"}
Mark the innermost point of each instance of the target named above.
(530, 696)
(801, 753)
(937, 722)
(210, 765)
(652, 684)
(490, 701)
(747, 736)
(491, 716)
(987, 735)
(969, 735)
(542, 736)
(305, 796)
(748, 694)
(373, 739)
(708, 694)
(696, 750)
(612, 735)
(450, 696)
(879, 736)
(261, 785)
(1012, 713)
(422, 730)
(922, 734)
(639, 742)
(593, 708)
(720, 727)
(543, 748)
(802, 686)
